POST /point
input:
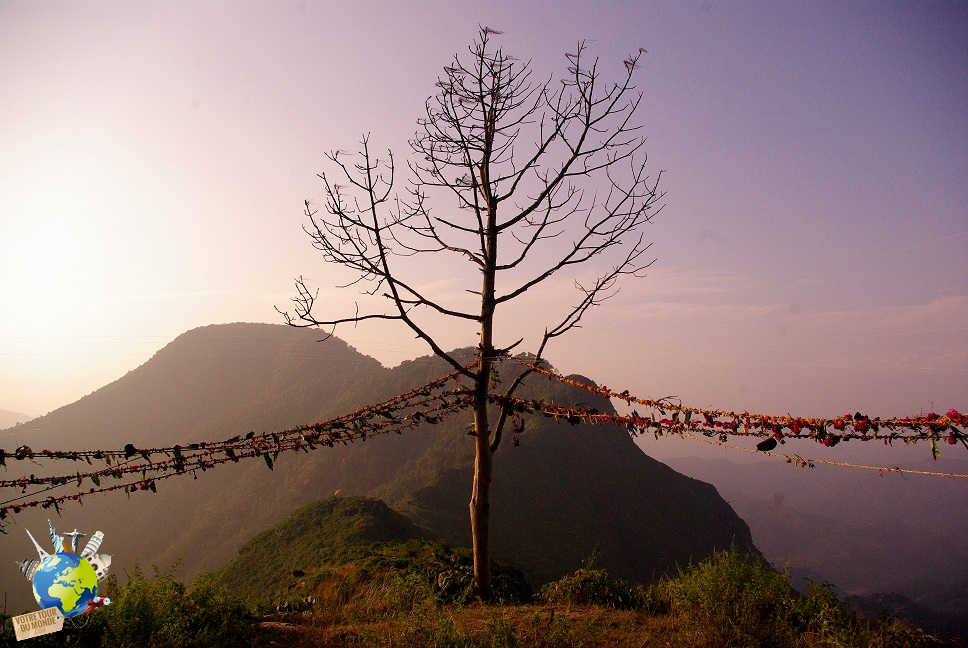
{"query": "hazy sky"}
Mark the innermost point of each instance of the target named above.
(811, 260)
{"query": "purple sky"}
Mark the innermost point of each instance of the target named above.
(810, 257)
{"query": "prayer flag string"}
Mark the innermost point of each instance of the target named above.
(431, 403)
(829, 432)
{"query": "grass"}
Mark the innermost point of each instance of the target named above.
(417, 594)
(734, 599)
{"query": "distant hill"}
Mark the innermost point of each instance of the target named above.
(563, 493)
(207, 382)
(9, 419)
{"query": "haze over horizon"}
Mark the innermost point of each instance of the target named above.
(810, 257)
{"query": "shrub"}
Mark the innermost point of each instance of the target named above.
(738, 599)
(590, 586)
(820, 612)
(446, 575)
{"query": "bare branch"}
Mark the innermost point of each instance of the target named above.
(563, 162)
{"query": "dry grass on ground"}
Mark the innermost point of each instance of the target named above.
(483, 626)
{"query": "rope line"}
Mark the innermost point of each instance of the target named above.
(433, 402)
(850, 426)
(809, 463)
(428, 403)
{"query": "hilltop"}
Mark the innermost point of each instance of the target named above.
(329, 531)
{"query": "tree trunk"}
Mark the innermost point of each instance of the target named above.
(480, 494)
(480, 505)
(480, 499)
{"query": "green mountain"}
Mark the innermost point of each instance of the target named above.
(567, 491)
(561, 494)
(334, 529)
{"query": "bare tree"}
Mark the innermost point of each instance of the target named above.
(506, 150)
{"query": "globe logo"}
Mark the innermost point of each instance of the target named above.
(66, 581)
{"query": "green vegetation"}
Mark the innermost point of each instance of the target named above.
(416, 593)
(156, 612)
(435, 572)
(591, 586)
(736, 600)
(333, 530)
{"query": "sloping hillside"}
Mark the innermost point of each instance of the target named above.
(327, 530)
